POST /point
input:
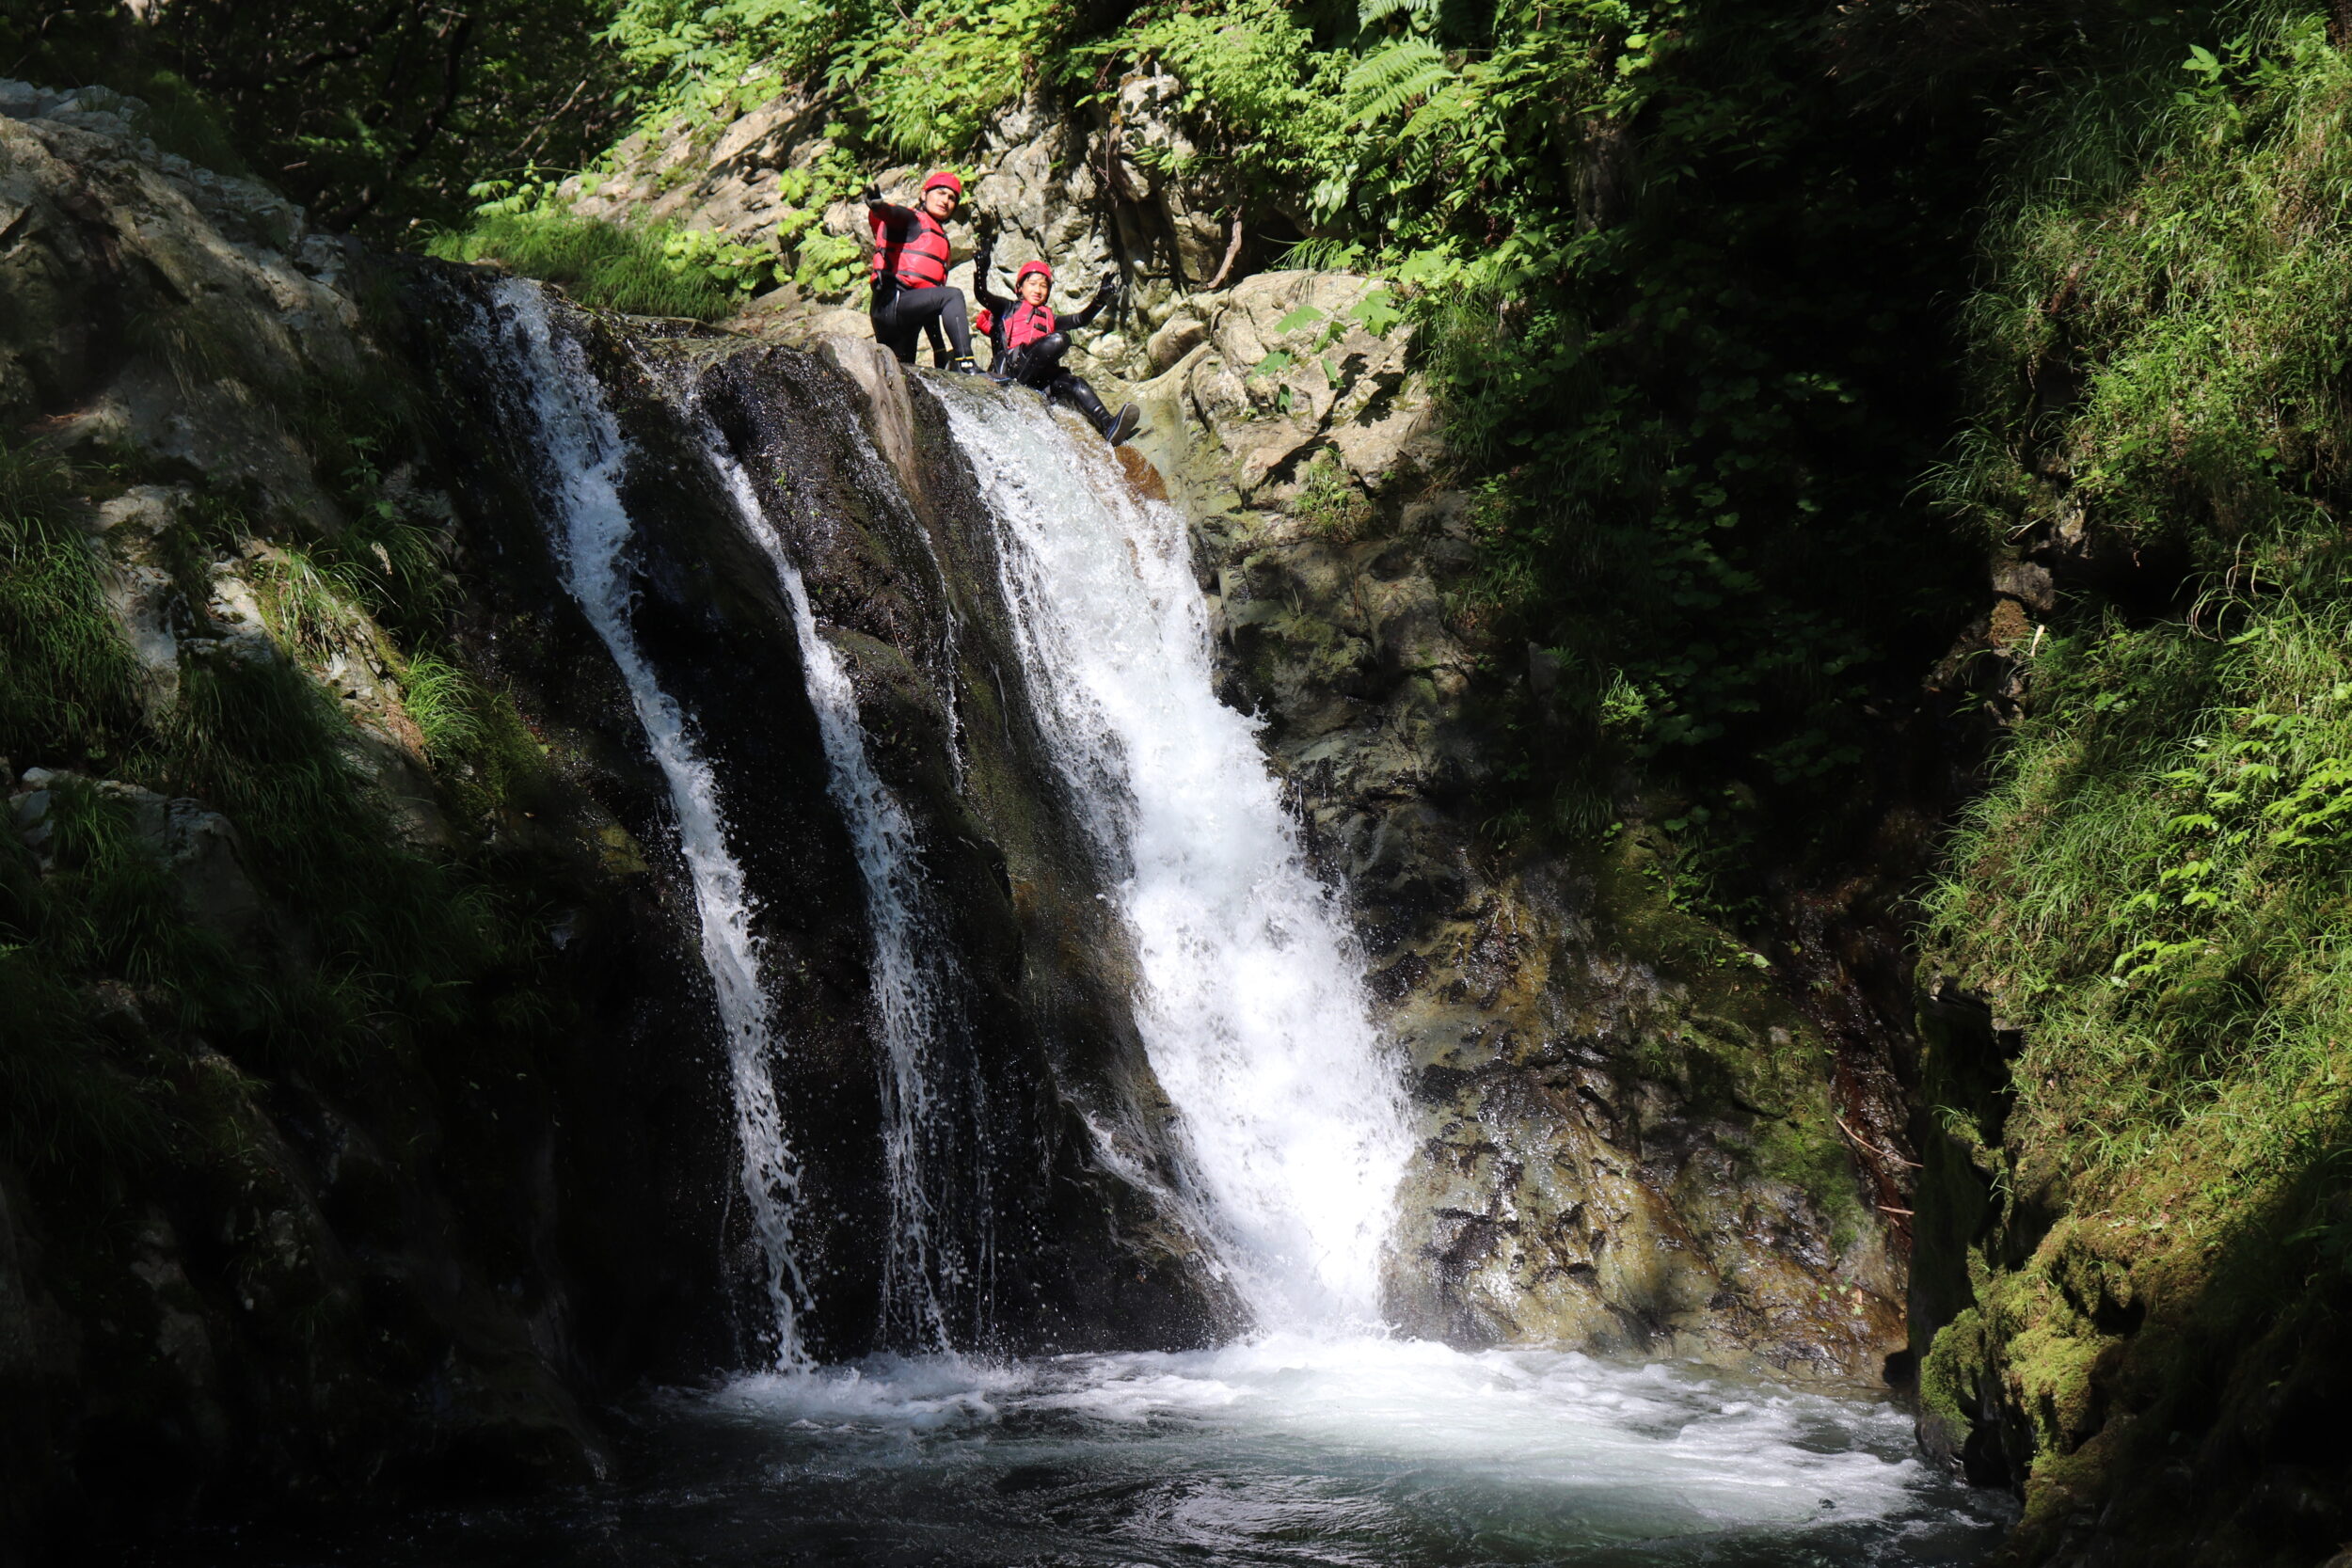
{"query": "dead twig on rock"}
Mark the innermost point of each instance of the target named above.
(1861, 1143)
(1233, 253)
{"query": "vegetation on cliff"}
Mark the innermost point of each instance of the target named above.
(377, 948)
(2152, 895)
(281, 976)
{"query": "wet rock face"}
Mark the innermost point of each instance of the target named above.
(366, 1273)
(1628, 1141)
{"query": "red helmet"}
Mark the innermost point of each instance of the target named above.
(947, 178)
(1028, 267)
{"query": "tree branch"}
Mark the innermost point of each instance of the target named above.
(542, 128)
(1233, 249)
(453, 75)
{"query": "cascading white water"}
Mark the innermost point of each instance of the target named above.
(916, 993)
(582, 455)
(1250, 1000)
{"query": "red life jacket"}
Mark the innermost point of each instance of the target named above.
(1024, 324)
(920, 260)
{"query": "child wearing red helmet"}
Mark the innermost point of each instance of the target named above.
(910, 271)
(1030, 340)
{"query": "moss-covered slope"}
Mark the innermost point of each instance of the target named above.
(2141, 1073)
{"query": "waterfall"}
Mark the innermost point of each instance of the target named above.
(1249, 993)
(938, 1177)
(581, 457)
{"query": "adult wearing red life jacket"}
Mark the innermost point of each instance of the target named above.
(910, 271)
(1030, 340)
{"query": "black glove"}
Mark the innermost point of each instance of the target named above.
(1109, 293)
(873, 195)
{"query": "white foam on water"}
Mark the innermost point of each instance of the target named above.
(1249, 998)
(583, 455)
(1645, 1451)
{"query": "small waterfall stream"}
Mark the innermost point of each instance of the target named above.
(582, 453)
(934, 1292)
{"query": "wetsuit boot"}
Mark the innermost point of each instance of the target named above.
(1114, 427)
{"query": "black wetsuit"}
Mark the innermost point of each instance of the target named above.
(902, 313)
(1039, 364)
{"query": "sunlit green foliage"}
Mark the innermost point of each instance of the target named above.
(2158, 883)
(696, 59)
(605, 264)
(2183, 338)
(2160, 877)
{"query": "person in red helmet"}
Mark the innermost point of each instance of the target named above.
(910, 270)
(1030, 340)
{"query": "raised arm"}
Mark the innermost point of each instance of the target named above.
(897, 221)
(982, 266)
(1104, 296)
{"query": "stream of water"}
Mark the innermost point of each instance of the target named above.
(939, 1253)
(582, 453)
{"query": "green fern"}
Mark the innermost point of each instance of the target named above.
(1410, 68)
(1449, 106)
(1420, 12)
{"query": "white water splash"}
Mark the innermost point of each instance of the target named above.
(929, 1261)
(1250, 1000)
(1291, 1448)
(584, 457)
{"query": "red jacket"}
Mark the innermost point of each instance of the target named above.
(1024, 324)
(909, 245)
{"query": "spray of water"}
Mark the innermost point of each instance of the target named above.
(1251, 999)
(939, 1253)
(582, 455)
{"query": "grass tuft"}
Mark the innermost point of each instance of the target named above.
(602, 264)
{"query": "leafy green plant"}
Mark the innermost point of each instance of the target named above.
(1330, 501)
